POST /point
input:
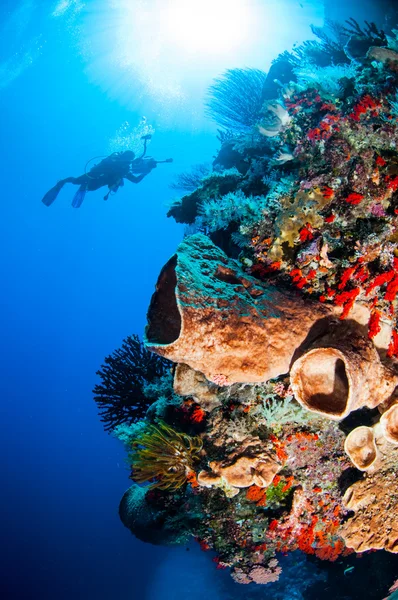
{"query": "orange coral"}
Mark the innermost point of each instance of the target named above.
(255, 493)
(191, 478)
(198, 415)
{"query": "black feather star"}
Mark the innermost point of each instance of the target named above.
(120, 395)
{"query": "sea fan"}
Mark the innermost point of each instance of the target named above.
(235, 99)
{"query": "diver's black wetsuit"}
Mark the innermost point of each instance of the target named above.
(111, 171)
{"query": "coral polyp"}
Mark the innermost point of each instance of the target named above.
(164, 457)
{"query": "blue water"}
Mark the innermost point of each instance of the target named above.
(76, 282)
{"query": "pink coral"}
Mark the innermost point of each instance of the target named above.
(377, 210)
(221, 380)
(263, 576)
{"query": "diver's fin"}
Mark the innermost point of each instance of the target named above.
(51, 195)
(79, 196)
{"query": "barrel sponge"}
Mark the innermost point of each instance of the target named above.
(341, 372)
(209, 314)
(152, 524)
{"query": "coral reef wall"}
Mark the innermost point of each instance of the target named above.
(268, 429)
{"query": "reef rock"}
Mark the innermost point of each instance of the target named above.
(383, 55)
(151, 522)
(374, 501)
(188, 382)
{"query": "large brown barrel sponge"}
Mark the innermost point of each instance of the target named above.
(341, 373)
(208, 313)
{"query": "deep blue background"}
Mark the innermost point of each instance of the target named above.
(74, 283)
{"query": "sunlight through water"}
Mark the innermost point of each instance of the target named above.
(208, 26)
(160, 56)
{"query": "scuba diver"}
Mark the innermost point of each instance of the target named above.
(111, 171)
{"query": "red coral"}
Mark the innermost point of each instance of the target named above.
(255, 493)
(392, 290)
(328, 106)
(307, 537)
(380, 162)
(203, 545)
(324, 130)
(191, 478)
(298, 278)
(314, 134)
(330, 552)
(346, 276)
(374, 324)
(346, 299)
(261, 270)
(354, 198)
(392, 184)
(288, 484)
(306, 233)
(273, 525)
(380, 280)
(198, 415)
(393, 347)
(367, 103)
(327, 192)
(220, 565)
(362, 274)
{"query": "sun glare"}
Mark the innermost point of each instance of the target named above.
(162, 55)
(207, 26)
